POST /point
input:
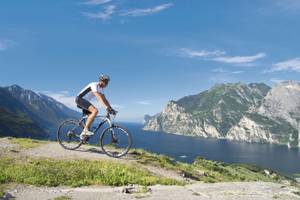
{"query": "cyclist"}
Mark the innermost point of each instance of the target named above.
(93, 89)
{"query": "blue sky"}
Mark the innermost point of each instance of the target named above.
(154, 51)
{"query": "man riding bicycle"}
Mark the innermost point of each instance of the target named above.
(93, 89)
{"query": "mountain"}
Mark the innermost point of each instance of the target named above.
(26, 113)
(236, 111)
(283, 101)
(14, 121)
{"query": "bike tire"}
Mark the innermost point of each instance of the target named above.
(106, 145)
(64, 142)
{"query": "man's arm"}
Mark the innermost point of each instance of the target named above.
(102, 100)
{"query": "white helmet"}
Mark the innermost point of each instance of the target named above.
(104, 78)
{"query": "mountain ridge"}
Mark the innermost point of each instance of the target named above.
(234, 111)
(37, 113)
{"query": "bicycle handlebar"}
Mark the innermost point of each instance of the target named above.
(108, 114)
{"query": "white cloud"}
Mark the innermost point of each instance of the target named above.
(64, 97)
(185, 52)
(105, 15)
(144, 103)
(237, 72)
(288, 65)
(96, 2)
(146, 11)
(277, 80)
(221, 70)
(218, 56)
(240, 59)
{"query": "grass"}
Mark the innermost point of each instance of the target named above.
(142, 193)
(223, 172)
(49, 172)
(63, 198)
(146, 158)
(143, 190)
(209, 171)
(27, 143)
(297, 193)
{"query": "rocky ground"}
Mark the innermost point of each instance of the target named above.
(194, 190)
(199, 191)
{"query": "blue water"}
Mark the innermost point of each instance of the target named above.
(186, 149)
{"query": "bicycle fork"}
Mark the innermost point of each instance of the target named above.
(114, 138)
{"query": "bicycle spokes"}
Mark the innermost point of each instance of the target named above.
(69, 134)
(115, 141)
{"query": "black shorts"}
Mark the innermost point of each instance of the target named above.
(82, 103)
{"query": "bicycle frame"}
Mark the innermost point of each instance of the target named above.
(106, 118)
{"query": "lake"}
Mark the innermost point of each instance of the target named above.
(186, 149)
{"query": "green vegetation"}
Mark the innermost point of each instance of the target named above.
(277, 128)
(63, 198)
(209, 171)
(18, 124)
(141, 193)
(144, 189)
(165, 162)
(276, 196)
(222, 172)
(49, 172)
(297, 193)
(27, 143)
(224, 104)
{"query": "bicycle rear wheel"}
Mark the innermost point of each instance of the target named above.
(115, 141)
(68, 134)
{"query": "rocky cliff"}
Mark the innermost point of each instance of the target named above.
(243, 112)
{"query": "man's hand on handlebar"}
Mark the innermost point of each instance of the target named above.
(111, 111)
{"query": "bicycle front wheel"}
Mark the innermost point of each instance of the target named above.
(68, 134)
(115, 141)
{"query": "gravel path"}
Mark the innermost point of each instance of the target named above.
(197, 191)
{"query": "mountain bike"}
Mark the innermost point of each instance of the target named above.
(115, 141)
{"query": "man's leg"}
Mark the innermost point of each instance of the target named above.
(91, 117)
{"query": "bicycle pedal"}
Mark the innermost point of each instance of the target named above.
(85, 140)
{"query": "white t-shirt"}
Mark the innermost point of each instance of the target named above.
(87, 91)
